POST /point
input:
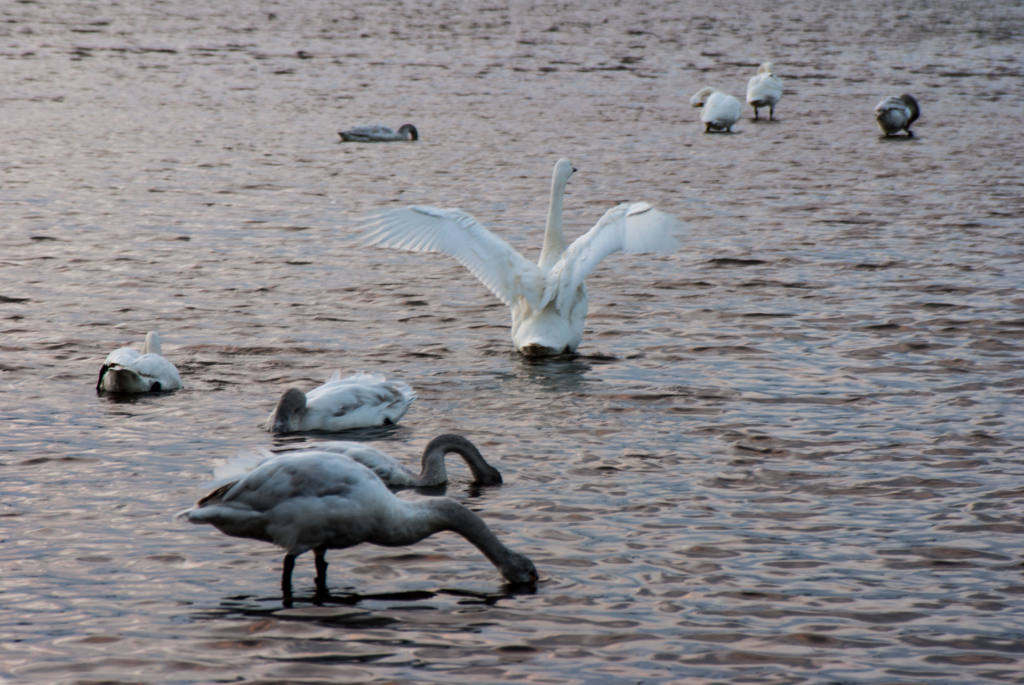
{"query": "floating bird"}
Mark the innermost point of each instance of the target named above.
(764, 90)
(548, 299)
(720, 112)
(387, 468)
(358, 401)
(322, 500)
(895, 114)
(376, 133)
(126, 370)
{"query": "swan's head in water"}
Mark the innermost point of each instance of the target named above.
(563, 170)
(289, 411)
(519, 569)
(701, 96)
(410, 130)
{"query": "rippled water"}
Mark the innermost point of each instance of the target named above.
(789, 453)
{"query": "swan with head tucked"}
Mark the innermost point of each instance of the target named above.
(720, 110)
(548, 299)
(895, 114)
(126, 370)
(378, 133)
(321, 500)
(359, 401)
(387, 468)
(764, 90)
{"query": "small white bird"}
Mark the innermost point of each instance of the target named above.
(392, 472)
(764, 90)
(548, 299)
(321, 500)
(377, 133)
(895, 114)
(720, 112)
(359, 401)
(126, 370)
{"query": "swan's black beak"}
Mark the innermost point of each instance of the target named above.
(574, 170)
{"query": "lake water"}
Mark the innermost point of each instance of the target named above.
(789, 453)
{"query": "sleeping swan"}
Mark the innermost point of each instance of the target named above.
(764, 90)
(126, 370)
(376, 133)
(895, 114)
(548, 299)
(321, 500)
(720, 112)
(359, 401)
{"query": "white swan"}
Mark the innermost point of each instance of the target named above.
(321, 500)
(720, 112)
(764, 90)
(548, 299)
(895, 114)
(358, 401)
(126, 370)
(392, 472)
(377, 133)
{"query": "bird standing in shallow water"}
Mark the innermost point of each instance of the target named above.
(895, 114)
(548, 299)
(764, 90)
(126, 370)
(321, 500)
(720, 110)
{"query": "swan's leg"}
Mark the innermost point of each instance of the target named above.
(286, 575)
(707, 127)
(771, 113)
(755, 113)
(321, 569)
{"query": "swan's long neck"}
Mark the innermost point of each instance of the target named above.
(434, 472)
(152, 345)
(554, 241)
(415, 521)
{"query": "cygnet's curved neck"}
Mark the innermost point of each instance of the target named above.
(433, 471)
(554, 241)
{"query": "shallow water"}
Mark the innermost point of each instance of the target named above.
(789, 453)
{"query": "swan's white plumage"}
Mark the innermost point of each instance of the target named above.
(764, 90)
(549, 299)
(129, 371)
(719, 110)
(359, 401)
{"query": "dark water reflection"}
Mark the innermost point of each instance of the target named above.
(788, 453)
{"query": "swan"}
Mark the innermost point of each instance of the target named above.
(377, 133)
(720, 112)
(764, 90)
(321, 500)
(358, 401)
(895, 114)
(548, 299)
(126, 370)
(392, 472)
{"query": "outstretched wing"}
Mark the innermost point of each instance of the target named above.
(636, 227)
(457, 234)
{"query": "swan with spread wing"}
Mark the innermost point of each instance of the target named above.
(548, 299)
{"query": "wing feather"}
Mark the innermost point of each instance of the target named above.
(633, 228)
(457, 234)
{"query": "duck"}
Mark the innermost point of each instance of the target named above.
(317, 500)
(895, 114)
(548, 300)
(359, 401)
(378, 133)
(392, 472)
(720, 112)
(764, 90)
(126, 370)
